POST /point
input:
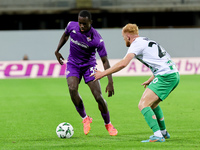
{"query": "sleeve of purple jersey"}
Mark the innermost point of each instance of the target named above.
(101, 49)
(67, 30)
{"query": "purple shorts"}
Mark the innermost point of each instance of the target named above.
(81, 70)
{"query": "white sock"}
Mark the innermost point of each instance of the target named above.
(107, 123)
(158, 133)
(84, 117)
(164, 131)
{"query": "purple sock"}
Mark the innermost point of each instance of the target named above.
(106, 117)
(81, 110)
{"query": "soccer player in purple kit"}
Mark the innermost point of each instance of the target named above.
(84, 42)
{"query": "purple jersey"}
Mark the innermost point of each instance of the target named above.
(83, 46)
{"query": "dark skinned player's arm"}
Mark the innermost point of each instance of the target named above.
(106, 65)
(64, 38)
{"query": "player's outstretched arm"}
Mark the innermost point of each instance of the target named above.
(117, 67)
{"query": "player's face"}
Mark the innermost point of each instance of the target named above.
(126, 39)
(84, 24)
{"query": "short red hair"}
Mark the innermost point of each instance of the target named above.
(130, 28)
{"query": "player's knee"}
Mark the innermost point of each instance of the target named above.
(140, 106)
(99, 99)
(73, 89)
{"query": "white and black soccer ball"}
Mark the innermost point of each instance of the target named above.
(65, 130)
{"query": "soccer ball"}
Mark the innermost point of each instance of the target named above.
(64, 130)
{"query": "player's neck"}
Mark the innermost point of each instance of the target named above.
(134, 37)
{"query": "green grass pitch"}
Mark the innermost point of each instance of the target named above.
(31, 109)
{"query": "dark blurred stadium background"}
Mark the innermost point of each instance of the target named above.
(55, 14)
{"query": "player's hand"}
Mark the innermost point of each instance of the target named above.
(98, 75)
(145, 83)
(110, 89)
(59, 58)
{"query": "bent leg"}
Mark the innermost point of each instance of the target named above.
(160, 117)
(96, 91)
(73, 83)
(161, 121)
(102, 104)
(148, 99)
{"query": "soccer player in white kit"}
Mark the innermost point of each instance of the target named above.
(164, 80)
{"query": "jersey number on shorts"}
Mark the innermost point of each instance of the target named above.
(92, 70)
(161, 52)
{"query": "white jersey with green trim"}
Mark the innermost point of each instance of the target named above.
(151, 54)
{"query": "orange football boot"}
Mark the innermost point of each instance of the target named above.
(86, 124)
(111, 129)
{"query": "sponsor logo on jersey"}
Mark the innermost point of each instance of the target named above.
(80, 44)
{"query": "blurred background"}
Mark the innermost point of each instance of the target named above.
(32, 28)
(55, 14)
